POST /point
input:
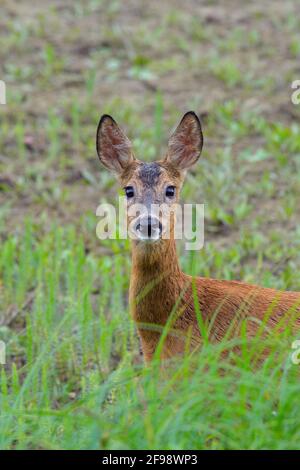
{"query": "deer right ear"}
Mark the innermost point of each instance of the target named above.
(113, 147)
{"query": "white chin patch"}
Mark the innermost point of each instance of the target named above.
(155, 236)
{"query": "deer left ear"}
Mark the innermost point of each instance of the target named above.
(185, 145)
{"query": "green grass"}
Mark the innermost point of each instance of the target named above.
(74, 378)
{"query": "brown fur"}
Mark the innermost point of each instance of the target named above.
(160, 293)
(220, 302)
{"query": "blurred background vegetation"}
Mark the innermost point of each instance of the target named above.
(63, 293)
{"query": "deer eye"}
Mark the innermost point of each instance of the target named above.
(170, 191)
(129, 191)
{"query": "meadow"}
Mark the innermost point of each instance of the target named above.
(74, 376)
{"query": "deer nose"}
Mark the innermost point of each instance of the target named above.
(149, 228)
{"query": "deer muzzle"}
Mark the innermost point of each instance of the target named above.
(148, 228)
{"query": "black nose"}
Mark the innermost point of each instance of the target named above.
(153, 224)
(149, 226)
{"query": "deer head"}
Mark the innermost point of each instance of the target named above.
(149, 186)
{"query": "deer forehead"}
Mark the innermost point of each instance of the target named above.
(152, 175)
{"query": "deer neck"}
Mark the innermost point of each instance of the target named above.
(155, 259)
(156, 280)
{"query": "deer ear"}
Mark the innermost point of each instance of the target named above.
(185, 145)
(113, 147)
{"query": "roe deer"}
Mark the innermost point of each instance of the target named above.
(154, 259)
